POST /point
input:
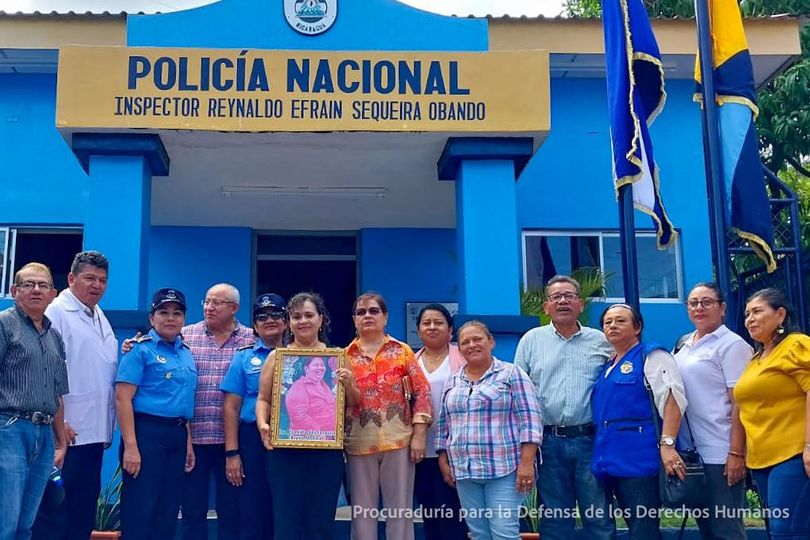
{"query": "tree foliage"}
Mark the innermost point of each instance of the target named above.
(784, 103)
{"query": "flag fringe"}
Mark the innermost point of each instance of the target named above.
(760, 247)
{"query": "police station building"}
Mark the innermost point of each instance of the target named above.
(341, 146)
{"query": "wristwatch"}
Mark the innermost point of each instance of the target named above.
(231, 453)
(666, 440)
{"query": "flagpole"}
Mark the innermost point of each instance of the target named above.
(712, 155)
(627, 245)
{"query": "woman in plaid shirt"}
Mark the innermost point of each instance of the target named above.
(488, 435)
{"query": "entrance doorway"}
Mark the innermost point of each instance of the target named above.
(324, 263)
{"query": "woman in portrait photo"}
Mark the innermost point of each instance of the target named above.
(310, 401)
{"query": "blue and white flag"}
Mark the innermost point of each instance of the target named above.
(635, 89)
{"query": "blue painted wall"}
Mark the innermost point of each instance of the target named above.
(421, 269)
(41, 181)
(195, 258)
(368, 25)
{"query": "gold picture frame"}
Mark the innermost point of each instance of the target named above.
(308, 402)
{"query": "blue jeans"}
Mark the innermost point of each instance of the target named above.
(784, 490)
(565, 481)
(26, 459)
(492, 507)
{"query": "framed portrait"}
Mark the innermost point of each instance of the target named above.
(308, 401)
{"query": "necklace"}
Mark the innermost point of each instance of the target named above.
(431, 363)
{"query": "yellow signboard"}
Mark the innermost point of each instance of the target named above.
(262, 90)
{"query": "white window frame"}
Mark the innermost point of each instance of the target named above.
(601, 234)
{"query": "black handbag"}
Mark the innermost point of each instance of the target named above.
(676, 493)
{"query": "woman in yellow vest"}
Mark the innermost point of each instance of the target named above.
(773, 395)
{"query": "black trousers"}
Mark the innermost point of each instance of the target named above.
(255, 512)
(441, 510)
(304, 488)
(210, 461)
(75, 518)
(150, 502)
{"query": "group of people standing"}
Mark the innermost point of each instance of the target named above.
(584, 416)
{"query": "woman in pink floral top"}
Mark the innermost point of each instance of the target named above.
(385, 432)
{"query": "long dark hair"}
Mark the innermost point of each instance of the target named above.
(776, 299)
(320, 307)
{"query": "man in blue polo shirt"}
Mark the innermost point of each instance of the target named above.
(33, 379)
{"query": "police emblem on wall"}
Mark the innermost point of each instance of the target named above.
(310, 17)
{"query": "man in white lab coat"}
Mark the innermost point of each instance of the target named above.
(92, 359)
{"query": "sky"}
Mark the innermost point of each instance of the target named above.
(549, 8)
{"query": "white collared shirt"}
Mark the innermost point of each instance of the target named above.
(91, 349)
(709, 367)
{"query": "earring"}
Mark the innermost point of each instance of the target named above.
(780, 330)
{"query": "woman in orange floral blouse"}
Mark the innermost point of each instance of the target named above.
(385, 431)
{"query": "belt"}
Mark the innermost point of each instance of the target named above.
(35, 417)
(569, 431)
(171, 420)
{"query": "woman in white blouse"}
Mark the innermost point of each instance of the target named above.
(439, 360)
(626, 455)
(710, 360)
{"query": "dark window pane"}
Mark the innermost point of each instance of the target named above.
(657, 270)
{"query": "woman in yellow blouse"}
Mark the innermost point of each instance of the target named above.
(773, 395)
(386, 429)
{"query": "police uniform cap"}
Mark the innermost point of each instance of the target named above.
(269, 302)
(167, 296)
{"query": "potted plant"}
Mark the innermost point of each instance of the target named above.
(108, 510)
(530, 518)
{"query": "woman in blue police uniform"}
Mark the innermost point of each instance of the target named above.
(244, 452)
(154, 399)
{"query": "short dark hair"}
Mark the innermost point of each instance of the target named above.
(91, 258)
(638, 320)
(435, 307)
(316, 299)
(371, 295)
(710, 285)
(564, 279)
(777, 299)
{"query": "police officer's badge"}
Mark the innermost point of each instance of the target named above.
(626, 367)
(162, 359)
(255, 361)
(310, 17)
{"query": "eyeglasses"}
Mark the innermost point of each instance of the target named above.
(215, 302)
(267, 315)
(569, 296)
(705, 303)
(44, 286)
(361, 312)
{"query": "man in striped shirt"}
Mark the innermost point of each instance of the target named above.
(33, 379)
(213, 342)
(563, 359)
